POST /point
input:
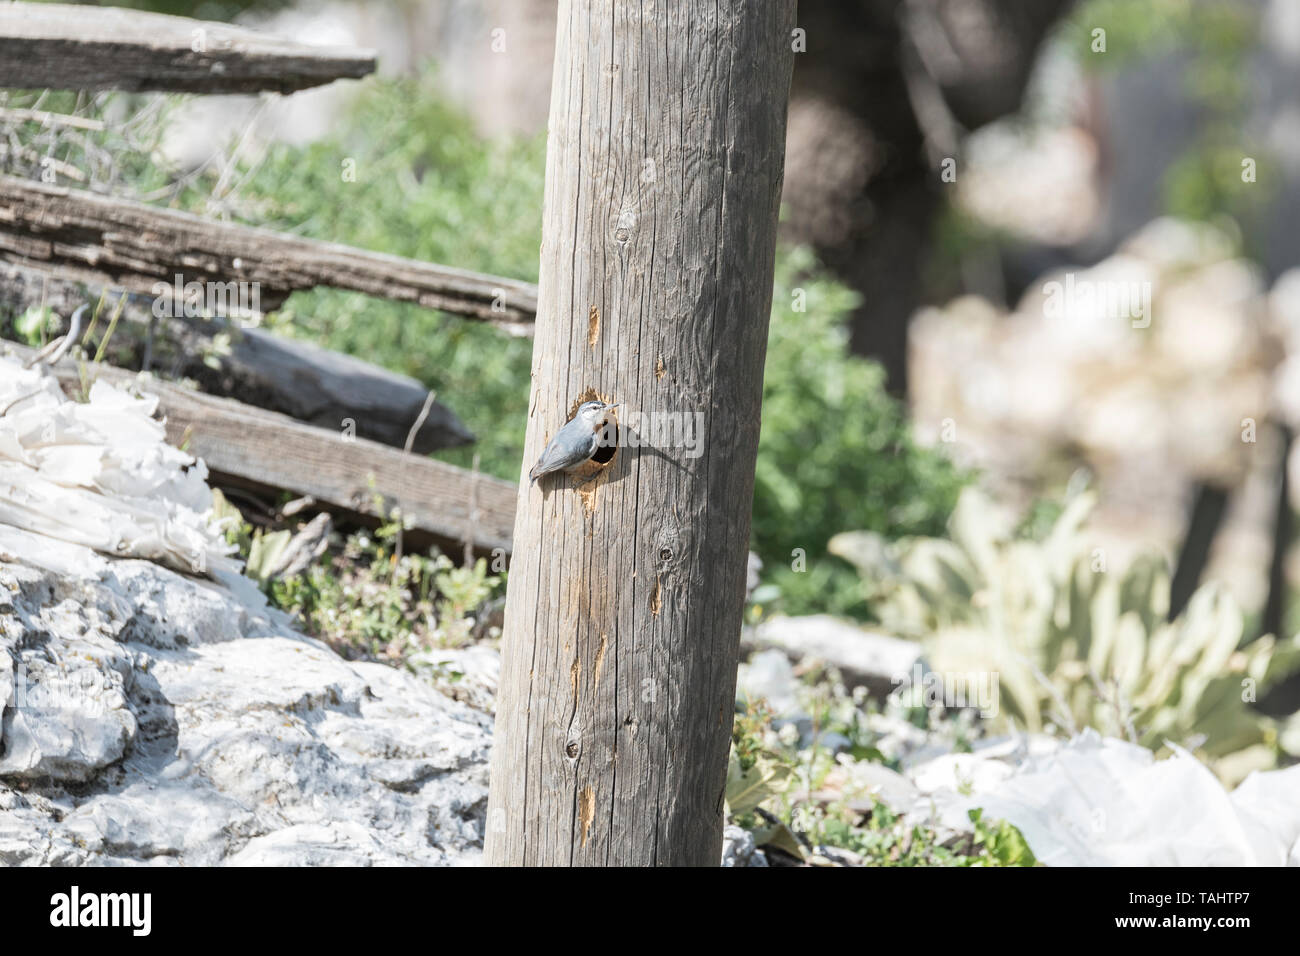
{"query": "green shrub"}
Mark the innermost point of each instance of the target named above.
(836, 450)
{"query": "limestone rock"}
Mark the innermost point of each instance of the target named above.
(152, 717)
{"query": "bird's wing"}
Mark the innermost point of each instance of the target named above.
(554, 457)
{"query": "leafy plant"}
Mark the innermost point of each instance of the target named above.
(755, 772)
(362, 599)
(428, 186)
(835, 450)
(801, 800)
(1074, 643)
(420, 181)
(1001, 841)
(31, 327)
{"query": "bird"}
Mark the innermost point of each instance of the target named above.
(575, 443)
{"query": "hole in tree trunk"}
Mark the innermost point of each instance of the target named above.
(606, 452)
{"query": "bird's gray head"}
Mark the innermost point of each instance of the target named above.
(591, 413)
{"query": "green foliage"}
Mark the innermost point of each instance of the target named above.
(368, 602)
(403, 173)
(229, 520)
(1002, 841)
(785, 797)
(1133, 30)
(1073, 643)
(1215, 39)
(883, 838)
(264, 550)
(363, 600)
(122, 156)
(221, 10)
(32, 326)
(836, 450)
(463, 591)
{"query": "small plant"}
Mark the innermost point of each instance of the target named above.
(363, 599)
(1073, 643)
(804, 800)
(32, 326)
(1001, 841)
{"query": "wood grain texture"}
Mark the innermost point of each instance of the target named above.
(623, 616)
(269, 450)
(118, 242)
(74, 47)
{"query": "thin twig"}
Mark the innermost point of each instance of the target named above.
(20, 115)
(55, 350)
(112, 326)
(401, 478)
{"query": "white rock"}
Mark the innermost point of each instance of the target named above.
(101, 474)
(738, 848)
(1102, 802)
(769, 676)
(199, 728)
(468, 674)
(878, 661)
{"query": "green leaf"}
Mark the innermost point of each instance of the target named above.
(264, 552)
(747, 789)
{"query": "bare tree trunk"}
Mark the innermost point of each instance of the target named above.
(627, 584)
(1208, 508)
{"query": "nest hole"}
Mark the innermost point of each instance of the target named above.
(606, 452)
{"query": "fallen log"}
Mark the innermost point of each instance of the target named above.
(74, 47)
(296, 378)
(264, 450)
(329, 389)
(118, 242)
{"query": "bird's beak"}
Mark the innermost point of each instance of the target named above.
(615, 405)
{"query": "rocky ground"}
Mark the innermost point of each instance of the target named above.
(1085, 801)
(154, 717)
(154, 709)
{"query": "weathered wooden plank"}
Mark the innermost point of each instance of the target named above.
(269, 450)
(325, 388)
(627, 587)
(73, 47)
(119, 242)
(296, 378)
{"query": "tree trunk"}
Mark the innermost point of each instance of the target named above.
(627, 583)
(1208, 508)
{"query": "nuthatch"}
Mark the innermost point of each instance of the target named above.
(575, 443)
